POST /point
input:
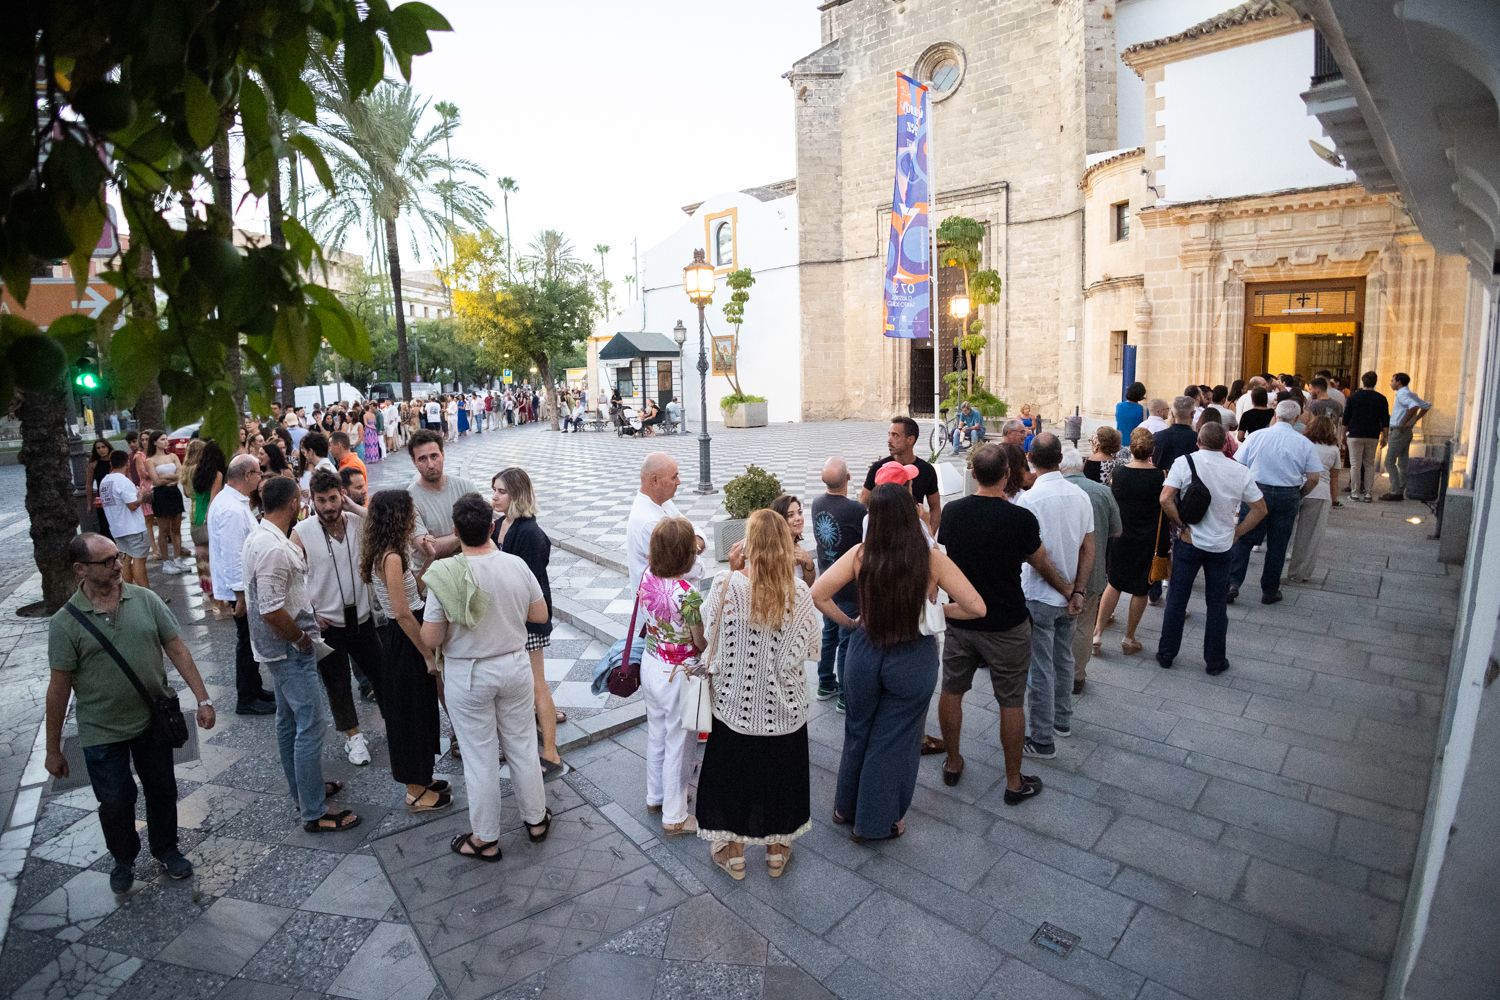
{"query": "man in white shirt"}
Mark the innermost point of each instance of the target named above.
(230, 522)
(1286, 467)
(282, 633)
(1206, 545)
(659, 482)
(434, 412)
(341, 603)
(1158, 417)
(1244, 402)
(121, 500)
(1066, 518)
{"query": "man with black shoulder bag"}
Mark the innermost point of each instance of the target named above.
(105, 649)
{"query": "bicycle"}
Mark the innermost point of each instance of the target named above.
(941, 438)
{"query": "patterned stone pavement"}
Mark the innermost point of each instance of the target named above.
(1249, 835)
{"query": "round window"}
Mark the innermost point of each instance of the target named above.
(941, 67)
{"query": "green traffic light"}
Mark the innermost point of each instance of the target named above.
(86, 380)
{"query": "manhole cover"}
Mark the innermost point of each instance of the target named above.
(1055, 939)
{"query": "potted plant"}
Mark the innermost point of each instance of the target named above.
(751, 490)
(740, 409)
(960, 238)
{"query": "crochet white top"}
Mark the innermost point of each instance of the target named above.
(759, 680)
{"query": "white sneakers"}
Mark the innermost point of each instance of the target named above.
(357, 749)
(172, 568)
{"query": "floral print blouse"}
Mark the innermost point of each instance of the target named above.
(672, 608)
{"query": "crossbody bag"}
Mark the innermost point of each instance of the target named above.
(168, 728)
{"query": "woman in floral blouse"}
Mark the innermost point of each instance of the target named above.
(671, 609)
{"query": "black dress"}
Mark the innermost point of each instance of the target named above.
(1138, 493)
(527, 541)
(101, 469)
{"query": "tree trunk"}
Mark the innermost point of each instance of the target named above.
(287, 396)
(544, 371)
(50, 502)
(148, 406)
(223, 198)
(510, 271)
(393, 259)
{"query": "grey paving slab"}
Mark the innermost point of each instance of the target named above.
(1247, 776)
(160, 981)
(809, 951)
(1314, 951)
(1082, 968)
(73, 909)
(1049, 850)
(1035, 893)
(814, 892)
(705, 930)
(1200, 963)
(388, 965)
(225, 936)
(148, 918)
(1055, 813)
(645, 940)
(791, 983)
(685, 980)
(1296, 857)
(854, 980)
(1249, 750)
(1172, 817)
(285, 876)
(1015, 980)
(1223, 918)
(1268, 813)
(904, 943)
(80, 972)
(309, 950)
(965, 909)
(24, 954)
(1171, 783)
(947, 853)
(1181, 687)
(1353, 776)
(590, 975)
(1376, 845)
(356, 888)
(1190, 861)
(1355, 919)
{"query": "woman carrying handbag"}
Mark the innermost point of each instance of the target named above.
(671, 608)
(1135, 557)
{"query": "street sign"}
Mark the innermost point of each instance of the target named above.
(506, 377)
(51, 299)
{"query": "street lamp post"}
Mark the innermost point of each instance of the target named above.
(679, 334)
(698, 282)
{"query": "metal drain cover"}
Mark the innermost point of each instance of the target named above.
(1055, 939)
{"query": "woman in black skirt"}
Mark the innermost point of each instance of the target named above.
(166, 503)
(1137, 489)
(761, 627)
(98, 469)
(408, 688)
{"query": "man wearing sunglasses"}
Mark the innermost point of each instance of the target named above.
(114, 722)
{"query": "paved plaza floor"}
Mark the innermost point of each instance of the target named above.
(1248, 835)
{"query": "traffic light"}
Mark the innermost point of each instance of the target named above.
(86, 377)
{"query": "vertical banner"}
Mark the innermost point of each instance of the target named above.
(908, 256)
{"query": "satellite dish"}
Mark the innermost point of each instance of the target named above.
(1327, 155)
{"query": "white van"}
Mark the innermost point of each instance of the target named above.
(323, 395)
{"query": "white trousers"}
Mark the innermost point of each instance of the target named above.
(492, 704)
(669, 747)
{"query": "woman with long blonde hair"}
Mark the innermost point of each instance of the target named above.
(760, 627)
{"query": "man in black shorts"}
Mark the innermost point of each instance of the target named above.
(902, 439)
(988, 538)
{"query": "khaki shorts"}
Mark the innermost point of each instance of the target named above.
(133, 546)
(1006, 655)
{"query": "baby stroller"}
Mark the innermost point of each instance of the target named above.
(621, 415)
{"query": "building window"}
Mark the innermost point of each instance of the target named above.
(1117, 341)
(425, 314)
(724, 244)
(941, 67)
(1119, 221)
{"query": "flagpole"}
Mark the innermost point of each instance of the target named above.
(932, 261)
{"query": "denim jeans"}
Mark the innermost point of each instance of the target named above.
(108, 765)
(974, 434)
(1186, 561)
(834, 650)
(299, 728)
(1049, 688)
(1275, 529)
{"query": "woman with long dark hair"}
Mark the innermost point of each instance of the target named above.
(408, 690)
(790, 508)
(98, 469)
(166, 502)
(1017, 471)
(205, 483)
(892, 664)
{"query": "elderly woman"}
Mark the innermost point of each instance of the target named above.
(1100, 465)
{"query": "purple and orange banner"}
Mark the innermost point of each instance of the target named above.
(907, 306)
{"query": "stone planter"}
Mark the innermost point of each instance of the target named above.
(992, 426)
(726, 533)
(745, 415)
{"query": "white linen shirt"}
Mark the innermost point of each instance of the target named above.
(1230, 484)
(1066, 516)
(275, 579)
(1279, 456)
(645, 515)
(230, 522)
(333, 568)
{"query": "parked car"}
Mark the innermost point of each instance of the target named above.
(177, 441)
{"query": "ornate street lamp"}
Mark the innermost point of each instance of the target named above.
(679, 334)
(698, 283)
(958, 307)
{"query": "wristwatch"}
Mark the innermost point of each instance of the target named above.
(1078, 593)
(206, 703)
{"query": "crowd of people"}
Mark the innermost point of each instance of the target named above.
(432, 599)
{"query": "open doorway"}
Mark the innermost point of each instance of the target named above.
(1303, 327)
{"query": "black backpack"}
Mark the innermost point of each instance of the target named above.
(1194, 501)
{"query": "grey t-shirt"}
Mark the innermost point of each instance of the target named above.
(502, 628)
(435, 507)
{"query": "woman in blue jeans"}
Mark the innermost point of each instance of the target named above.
(891, 668)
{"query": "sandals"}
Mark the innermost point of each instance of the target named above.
(545, 826)
(897, 829)
(776, 862)
(561, 716)
(1098, 645)
(932, 745)
(335, 822)
(840, 820)
(733, 867)
(414, 803)
(689, 825)
(950, 778)
(476, 848)
(332, 788)
(1130, 647)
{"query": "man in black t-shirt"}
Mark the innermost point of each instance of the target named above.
(1179, 439)
(837, 524)
(1258, 417)
(902, 439)
(989, 538)
(1367, 417)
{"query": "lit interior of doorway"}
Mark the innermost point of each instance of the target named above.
(1302, 348)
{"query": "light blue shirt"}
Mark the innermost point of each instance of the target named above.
(971, 419)
(1279, 456)
(1406, 401)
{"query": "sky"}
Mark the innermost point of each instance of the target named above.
(611, 116)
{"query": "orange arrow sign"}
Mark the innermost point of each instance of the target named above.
(52, 298)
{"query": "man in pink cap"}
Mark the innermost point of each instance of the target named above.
(902, 439)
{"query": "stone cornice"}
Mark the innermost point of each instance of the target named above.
(1111, 161)
(1108, 284)
(1271, 203)
(1189, 45)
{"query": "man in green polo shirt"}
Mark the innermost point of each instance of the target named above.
(113, 719)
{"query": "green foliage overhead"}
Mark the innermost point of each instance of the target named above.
(128, 95)
(752, 490)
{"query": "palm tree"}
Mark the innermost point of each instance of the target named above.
(449, 112)
(385, 166)
(604, 286)
(551, 257)
(508, 187)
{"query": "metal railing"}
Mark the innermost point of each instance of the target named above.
(1324, 66)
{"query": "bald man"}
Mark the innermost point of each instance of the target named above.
(837, 524)
(659, 482)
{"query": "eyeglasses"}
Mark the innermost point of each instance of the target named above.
(113, 560)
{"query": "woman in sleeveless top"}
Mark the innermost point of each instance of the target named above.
(166, 502)
(892, 665)
(408, 694)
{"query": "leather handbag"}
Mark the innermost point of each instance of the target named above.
(932, 621)
(624, 680)
(1161, 566)
(695, 696)
(168, 728)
